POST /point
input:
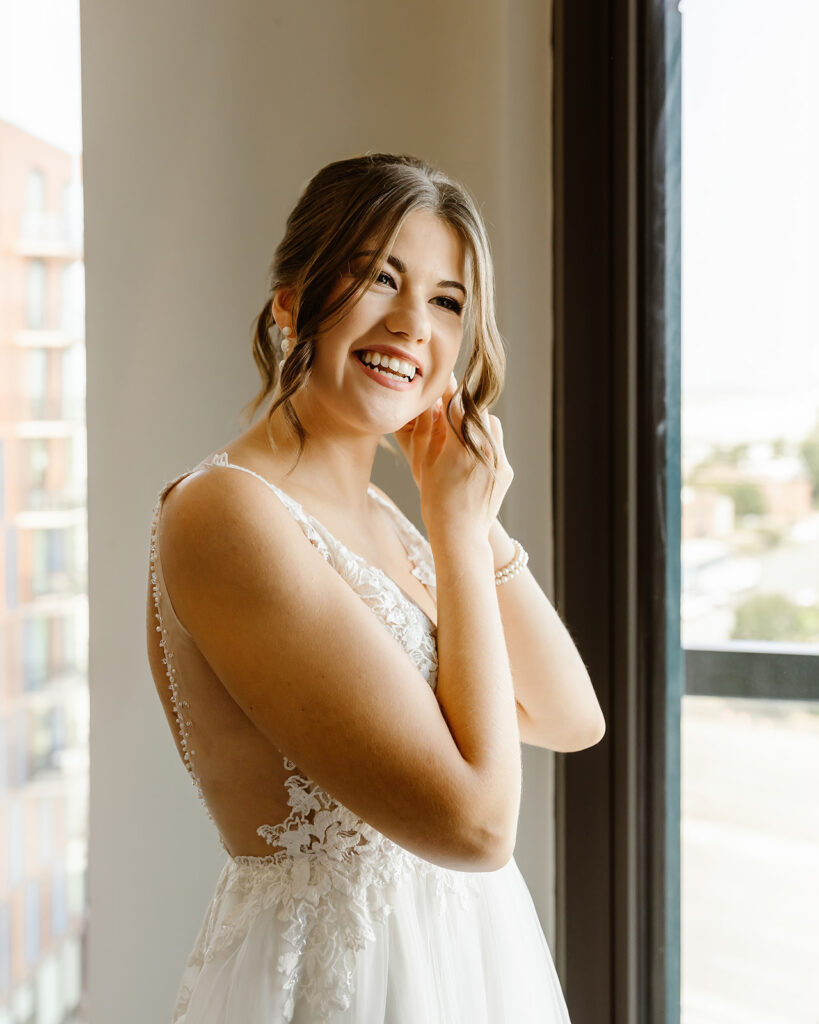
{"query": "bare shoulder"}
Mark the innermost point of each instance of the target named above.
(223, 516)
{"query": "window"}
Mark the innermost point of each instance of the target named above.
(687, 401)
(32, 922)
(35, 653)
(5, 949)
(73, 382)
(34, 203)
(72, 301)
(750, 514)
(43, 543)
(35, 294)
(36, 384)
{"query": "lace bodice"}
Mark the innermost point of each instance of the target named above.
(329, 871)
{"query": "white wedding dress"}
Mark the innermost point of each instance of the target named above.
(339, 925)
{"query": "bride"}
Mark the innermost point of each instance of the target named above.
(348, 695)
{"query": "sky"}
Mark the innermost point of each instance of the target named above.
(750, 201)
(40, 69)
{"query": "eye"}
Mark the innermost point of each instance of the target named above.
(456, 307)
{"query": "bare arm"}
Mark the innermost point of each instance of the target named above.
(555, 701)
(474, 676)
(324, 680)
(552, 684)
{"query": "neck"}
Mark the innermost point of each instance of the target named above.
(335, 466)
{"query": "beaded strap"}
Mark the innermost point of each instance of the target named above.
(512, 568)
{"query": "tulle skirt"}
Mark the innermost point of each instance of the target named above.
(428, 952)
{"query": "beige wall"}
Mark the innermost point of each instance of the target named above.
(201, 124)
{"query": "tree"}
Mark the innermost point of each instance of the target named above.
(775, 617)
(809, 450)
(747, 497)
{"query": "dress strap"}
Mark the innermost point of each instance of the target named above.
(418, 549)
(312, 528)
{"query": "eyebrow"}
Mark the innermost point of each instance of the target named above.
(401, 267)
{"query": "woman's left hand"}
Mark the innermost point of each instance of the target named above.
(404, 434)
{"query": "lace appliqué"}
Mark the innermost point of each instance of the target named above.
(330, 882)
(418, 550)
(404, 619)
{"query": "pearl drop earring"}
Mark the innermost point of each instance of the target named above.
(287, 342)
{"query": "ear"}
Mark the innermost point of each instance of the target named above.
(282, 305)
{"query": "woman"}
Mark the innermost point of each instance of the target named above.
(349, 697)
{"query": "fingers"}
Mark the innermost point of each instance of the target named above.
(421, 430)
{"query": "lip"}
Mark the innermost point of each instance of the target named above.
(400, 353)
(386, 382)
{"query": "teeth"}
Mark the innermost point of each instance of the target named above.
(398, 366)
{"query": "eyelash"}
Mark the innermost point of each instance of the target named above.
(456, 306)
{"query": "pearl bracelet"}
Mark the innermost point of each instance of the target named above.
(512, 568)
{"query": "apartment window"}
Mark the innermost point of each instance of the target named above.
(4, 759)
(35, 653)
(59, 900)
(5, 949)
(72, 301)
(35, 294)
(15, 812)
(73, 382)
(34, 193)
(35, 473)
(31, 932)
(36, 383)
(12, 539)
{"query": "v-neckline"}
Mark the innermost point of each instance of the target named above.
(353, 554)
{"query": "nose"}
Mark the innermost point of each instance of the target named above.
(409, 317)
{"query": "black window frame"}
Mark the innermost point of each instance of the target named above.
(618, 509)
(617, 501)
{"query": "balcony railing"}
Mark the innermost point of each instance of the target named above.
(50, 234)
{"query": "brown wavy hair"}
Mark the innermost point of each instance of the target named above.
(348, 202)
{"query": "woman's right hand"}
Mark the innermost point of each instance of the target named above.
(454, 486)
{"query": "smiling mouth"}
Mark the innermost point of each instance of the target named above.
(386, 371)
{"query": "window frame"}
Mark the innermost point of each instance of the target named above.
(617, 501)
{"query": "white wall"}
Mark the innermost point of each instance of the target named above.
(201, 123)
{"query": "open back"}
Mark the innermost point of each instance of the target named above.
(250, 791)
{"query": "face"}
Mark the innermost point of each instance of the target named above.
(416, 308)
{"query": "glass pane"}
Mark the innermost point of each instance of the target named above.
(750, 506)
(750, 853)
(750, 353)
(43, 549)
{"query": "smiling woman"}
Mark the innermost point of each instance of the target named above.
(339, 686)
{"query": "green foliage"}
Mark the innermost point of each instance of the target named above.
(809, 450)
(747, 497)
(775, 617)
(770, 536)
